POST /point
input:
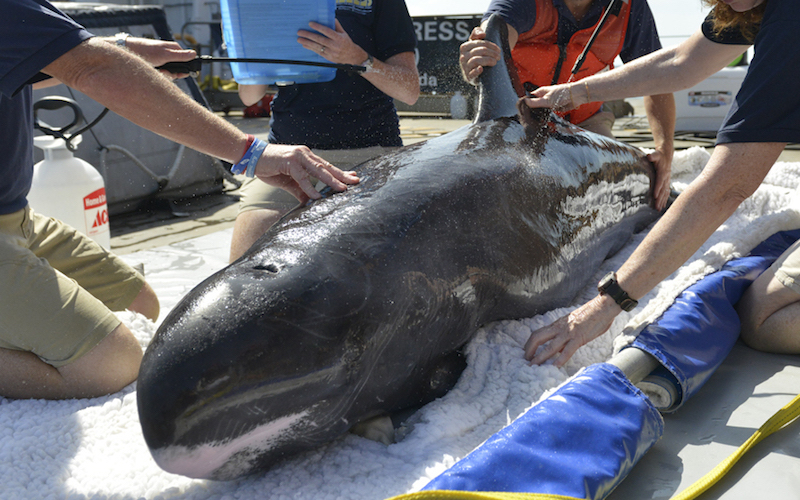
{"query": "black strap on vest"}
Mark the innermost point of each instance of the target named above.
(613, 8)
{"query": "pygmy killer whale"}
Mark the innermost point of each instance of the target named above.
(357, 304)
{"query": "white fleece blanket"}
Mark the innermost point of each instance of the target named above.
(94, 449)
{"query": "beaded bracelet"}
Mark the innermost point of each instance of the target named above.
(247, 164)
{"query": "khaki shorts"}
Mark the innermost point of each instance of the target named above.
(260, 195)
(787, 267)
(600, 123)
(58, 288)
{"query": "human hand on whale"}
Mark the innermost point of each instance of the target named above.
(292, 167)
(568, 96)
(562, 338)
(477, 53)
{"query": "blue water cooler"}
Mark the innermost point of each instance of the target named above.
(267, 29)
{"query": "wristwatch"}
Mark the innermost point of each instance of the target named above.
(609, 286)
(368, 64)
(121, 38)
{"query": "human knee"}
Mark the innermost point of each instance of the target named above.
(146, 303)
(749, 310)
(750, 333)
(601, 123)
(108, 367)
(250, 226)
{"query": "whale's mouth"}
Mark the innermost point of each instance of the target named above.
(229, 458)
(238, 404)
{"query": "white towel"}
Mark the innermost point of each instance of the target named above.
(94, 448)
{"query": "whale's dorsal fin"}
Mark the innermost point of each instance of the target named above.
(499, 86)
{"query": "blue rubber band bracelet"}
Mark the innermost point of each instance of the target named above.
(247, 164)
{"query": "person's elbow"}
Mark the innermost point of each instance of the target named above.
(86, 67)
(410, 93)
(246, 100)
(251, 94)
(730, 195)
(737, 194)
(411, 96)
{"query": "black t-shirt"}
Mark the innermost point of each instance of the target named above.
(767, 106)
(348, 112)
(33, 34)
(728, 36)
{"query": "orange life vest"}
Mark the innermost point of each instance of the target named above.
(537, 55)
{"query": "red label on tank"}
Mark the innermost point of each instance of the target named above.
(95, 199)
(95, 212)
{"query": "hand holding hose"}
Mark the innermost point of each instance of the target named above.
(160, 52)
(561, 98)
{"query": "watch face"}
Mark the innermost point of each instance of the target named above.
(605, 282)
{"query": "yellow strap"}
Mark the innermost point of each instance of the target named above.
(477, 495)
(782, 417)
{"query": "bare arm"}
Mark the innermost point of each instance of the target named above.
(129, 86)
(662, 72)
(733, 173)
(155, 52)
(396, 77)
(660, 111)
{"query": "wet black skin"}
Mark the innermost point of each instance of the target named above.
(358, 304)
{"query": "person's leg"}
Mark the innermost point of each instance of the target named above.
(260, 206)
(57, 340)
(250, 226)
(770, 307)
(263, 205)
(100, 272)
(107, 368)
(600, 123)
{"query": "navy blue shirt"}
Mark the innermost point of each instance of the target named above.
(33, 34)
(767, 106)
(348, 112)
(641, 37)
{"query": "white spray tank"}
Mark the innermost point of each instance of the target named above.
(65, 187)
(70, 189)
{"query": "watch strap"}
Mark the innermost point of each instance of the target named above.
(609, 286)
(368, 63)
